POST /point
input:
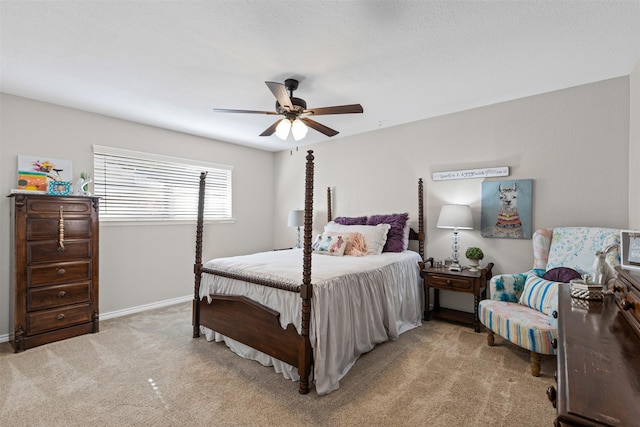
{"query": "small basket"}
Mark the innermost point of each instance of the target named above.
(582, 290)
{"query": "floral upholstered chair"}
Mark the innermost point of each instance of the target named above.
(523, 307)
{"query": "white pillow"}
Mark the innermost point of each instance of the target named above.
(375, 236)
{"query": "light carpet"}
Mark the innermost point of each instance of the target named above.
(146, 370)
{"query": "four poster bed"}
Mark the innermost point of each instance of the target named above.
(264, 309)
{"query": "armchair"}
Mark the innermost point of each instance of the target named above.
(522, 308)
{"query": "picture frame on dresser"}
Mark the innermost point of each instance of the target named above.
(630, 249)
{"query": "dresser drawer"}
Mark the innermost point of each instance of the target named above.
(57, 296)
(50, 205)
(53, 274)
(48, 320)
(445, 282)
(47, 251)
(48, 228)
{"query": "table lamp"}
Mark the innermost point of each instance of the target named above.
(296, 219)
(457, 217)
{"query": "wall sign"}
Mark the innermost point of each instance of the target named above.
(471, 173)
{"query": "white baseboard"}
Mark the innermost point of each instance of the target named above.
(145, 307)
(132, 310)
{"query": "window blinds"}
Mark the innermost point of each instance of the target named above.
(136, 186)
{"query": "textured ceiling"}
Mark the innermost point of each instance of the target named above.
(168, 63)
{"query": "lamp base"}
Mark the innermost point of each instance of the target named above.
(455, 266)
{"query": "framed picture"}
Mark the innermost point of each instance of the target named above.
(35, 172)
(630, 249)
(59, 188)
(506, 209)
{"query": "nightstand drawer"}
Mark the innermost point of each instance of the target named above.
(448, 282)
(57, 296)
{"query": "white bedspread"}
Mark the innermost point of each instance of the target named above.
(357, 302)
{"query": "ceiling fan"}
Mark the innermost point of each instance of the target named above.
(295, 112)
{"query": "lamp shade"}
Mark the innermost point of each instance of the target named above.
(455, 216)
(282, 130)
(296, 218)
(298, 129)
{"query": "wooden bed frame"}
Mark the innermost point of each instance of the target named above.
(254, 324)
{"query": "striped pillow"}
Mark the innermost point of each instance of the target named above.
(538, 293)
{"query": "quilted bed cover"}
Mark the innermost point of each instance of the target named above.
(357, 302)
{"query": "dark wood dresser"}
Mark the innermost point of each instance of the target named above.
(598, 376)
(55, 268)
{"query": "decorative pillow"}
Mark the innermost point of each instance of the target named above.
(561, 274)
(395, 237)
(375, 236)
(330, 245)
(356, 246)
(538, 293)
(405, 237)
(356, 220)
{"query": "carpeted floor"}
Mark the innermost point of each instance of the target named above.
(146, 370)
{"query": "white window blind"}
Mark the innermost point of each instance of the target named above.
(135, 186)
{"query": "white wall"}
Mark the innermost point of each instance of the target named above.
(634, 148)
(141, 264)
(573, 143)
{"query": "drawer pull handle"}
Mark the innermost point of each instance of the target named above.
(62, 294)
(61, 316)
(61, 230)
(449, 282)
(554, 343)
(554, 314)
(62, 272)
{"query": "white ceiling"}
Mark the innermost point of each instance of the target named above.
(168, 63)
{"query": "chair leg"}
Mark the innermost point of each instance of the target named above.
(491, 339)
(535, 364)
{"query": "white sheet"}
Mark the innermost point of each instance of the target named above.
(357, 302)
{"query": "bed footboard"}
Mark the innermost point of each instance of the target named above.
(257, 326)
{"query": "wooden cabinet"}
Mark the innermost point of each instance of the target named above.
(55, 268)
(466, 281)
(598, 360)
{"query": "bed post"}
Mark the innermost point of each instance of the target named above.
(197, 266)
(304, 364)
(421, 236)
(329, 213)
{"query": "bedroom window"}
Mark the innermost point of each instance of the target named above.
(135, 186)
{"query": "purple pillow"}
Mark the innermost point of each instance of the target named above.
(395, 236)
(356, 220)
(561, 274)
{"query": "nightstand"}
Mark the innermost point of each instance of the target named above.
(470, 282)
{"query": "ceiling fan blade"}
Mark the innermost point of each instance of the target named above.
(271, 129)
(226, 110)
(319, 127)
(280, 92)
(338, 109)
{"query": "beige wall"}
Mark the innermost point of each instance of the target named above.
(142, 264)
(573, 143)
(634, 149)
(576, 144)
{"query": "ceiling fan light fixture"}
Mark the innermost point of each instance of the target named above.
(298, 129)
(282, 130)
